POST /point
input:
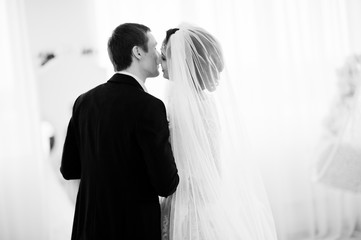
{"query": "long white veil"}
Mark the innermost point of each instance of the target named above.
(220, 194)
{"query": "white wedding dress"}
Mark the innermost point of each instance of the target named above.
(220, 195)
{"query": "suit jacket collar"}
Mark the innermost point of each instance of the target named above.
(125, 79)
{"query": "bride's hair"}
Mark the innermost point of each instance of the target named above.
(169, 33)
(204, 56)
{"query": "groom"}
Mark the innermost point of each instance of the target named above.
(117, 144)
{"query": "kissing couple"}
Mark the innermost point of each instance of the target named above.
(147, 173)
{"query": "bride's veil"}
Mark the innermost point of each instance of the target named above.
(220, 194)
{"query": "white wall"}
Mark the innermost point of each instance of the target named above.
(64, 26)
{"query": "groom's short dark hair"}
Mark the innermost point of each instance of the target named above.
(123, 39)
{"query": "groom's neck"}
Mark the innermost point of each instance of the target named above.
(135, 71)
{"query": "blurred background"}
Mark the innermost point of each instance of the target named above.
(296, 64)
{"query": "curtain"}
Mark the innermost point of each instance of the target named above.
(32, 203)
(284, 55)
(22, 205)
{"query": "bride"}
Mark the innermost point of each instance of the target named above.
(220, 195)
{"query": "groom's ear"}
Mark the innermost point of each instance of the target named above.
(136, 52)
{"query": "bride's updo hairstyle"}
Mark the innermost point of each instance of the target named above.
(203, 54)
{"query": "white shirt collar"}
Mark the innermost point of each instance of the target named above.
(136, 78)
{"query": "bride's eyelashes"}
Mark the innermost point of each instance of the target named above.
(163, 57)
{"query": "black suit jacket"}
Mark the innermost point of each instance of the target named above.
(117, 144)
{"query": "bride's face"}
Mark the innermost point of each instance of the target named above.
(163, 63)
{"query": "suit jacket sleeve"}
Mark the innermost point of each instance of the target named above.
(70, 163)
(153, 138)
